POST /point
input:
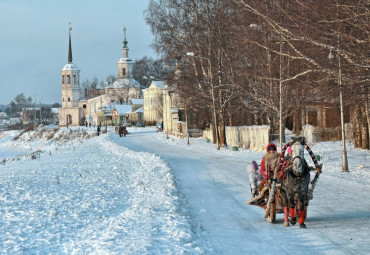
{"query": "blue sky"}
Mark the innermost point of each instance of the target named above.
(34, 42)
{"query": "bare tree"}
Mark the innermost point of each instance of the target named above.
(272, 57)
(146, 69)
(18, 104)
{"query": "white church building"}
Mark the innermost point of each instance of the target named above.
(76, 110)
(70, 113)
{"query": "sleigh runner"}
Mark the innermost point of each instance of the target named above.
(296, 187)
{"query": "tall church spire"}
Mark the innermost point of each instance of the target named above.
(70, 46)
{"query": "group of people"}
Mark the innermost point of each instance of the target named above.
(269, 165)
(122, 131)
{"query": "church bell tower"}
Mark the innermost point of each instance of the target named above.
(125, 64)
(70, 114)
(71, 91)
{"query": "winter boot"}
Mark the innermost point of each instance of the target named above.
(293, 218)
(286, 221)
(301, 219)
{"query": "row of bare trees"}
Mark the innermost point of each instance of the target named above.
(24, 109)
(247, 62)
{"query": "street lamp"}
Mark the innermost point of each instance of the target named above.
(280, 104)
(166, 115)
(191, 54)
(344, 151)
(187, 125)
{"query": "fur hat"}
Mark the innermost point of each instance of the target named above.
(271, 146)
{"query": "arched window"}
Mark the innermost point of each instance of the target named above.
(62, 79)
(123, 71)
(68, 79)
(74, 79)
(69, 99)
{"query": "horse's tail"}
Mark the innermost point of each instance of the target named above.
(311, 187)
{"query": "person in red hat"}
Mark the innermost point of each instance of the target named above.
(270, 164)
(270, 161)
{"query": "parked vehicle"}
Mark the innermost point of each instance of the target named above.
(127, 124)
(140, 124)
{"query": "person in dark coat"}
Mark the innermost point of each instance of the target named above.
(120, 130)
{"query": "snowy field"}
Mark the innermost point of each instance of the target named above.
(69, 192)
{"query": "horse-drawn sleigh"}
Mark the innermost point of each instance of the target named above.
(289, 187)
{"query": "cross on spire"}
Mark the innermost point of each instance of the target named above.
(124, 37)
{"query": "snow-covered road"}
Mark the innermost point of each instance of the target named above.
(145, 194)
(216, 185)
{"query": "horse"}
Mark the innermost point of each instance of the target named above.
(297, 181)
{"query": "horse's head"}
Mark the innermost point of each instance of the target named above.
(297, 158)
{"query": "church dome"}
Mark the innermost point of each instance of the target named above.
(70, 67)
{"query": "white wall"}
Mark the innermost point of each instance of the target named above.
(249, 137)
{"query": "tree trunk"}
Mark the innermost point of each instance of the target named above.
(303, 117)
(356, 126)
(221, 123)
(364, 128)
(212, 126)
(229, 115)
(283, 131)
(367, 121)
(297, 121)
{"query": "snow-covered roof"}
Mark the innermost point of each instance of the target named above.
(124, 83)
(137, 101)
(159, 84)
(141, 109)
(55, 110)
(123, 108)
(31, 109)
(70, 67)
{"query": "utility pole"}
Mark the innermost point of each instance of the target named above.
(40, 113)
(280, 106)
(34, 118)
